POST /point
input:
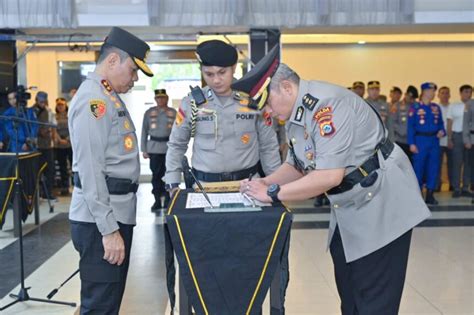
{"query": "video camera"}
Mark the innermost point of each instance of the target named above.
(22, 96)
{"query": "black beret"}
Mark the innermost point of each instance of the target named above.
(134, 46)
(412, 91)
(160, 92)
(216, 53)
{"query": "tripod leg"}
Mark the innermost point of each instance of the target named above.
(9, 304)
(47, 194)
(72, 304)
(36, 206)
(16, 211)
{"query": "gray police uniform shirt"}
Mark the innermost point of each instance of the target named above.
(339, 130)
(468, 123)
(383, 108)
(104, 144)
(157, 123)
(398, 117)
(229, 137)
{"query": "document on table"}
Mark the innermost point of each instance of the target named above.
(197, 200)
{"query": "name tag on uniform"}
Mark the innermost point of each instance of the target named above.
(244, 116)
(205, 118)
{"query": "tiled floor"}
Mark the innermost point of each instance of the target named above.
(440, 277)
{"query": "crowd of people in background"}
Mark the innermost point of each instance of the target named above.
(428, 131)
(47, 132)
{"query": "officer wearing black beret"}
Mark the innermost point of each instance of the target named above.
(338, 146)
(230, 139)
(106, 170)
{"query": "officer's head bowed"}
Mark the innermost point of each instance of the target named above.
(122, 54)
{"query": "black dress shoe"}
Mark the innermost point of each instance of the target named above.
(456, 194)
(156, 206)
(430, 199)
(466, 193)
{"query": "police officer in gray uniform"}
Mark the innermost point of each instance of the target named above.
(382, 107)
(468, 136)
(333, 135)
(230, 140)
(156, 129)
(399, 117)
(106, 170)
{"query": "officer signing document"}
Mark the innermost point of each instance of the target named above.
(338, 145)
(106, 170)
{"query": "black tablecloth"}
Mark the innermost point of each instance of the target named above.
(227, 260)
(30, 169)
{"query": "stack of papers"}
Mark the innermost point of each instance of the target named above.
(197, 200)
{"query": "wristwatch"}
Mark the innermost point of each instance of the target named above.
(273, 191)
(169, 187)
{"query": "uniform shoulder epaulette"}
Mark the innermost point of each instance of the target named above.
(309, 101)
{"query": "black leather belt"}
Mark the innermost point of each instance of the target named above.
(227, 176)
(116, 186)
(160, 139)
(363, 171)
(426, 134)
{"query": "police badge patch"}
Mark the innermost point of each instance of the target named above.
(128, 143)
(326, 128)
(245, 138)
(98, 108)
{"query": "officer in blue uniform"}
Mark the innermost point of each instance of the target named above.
(27, 132)
(425, 128)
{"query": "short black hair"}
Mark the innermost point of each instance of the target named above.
(465, 87)
(443, 88)
(107, 49)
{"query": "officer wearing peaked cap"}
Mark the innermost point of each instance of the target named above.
(399, 119)
(106, 171)
(156, 129)
(333, 135)
(230, 139)
(358, 87)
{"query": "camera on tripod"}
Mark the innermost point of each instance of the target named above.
(22, 96)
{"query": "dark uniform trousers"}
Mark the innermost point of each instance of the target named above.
(63, 155)
(102, 284)
(372, 284)
(158, 168)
